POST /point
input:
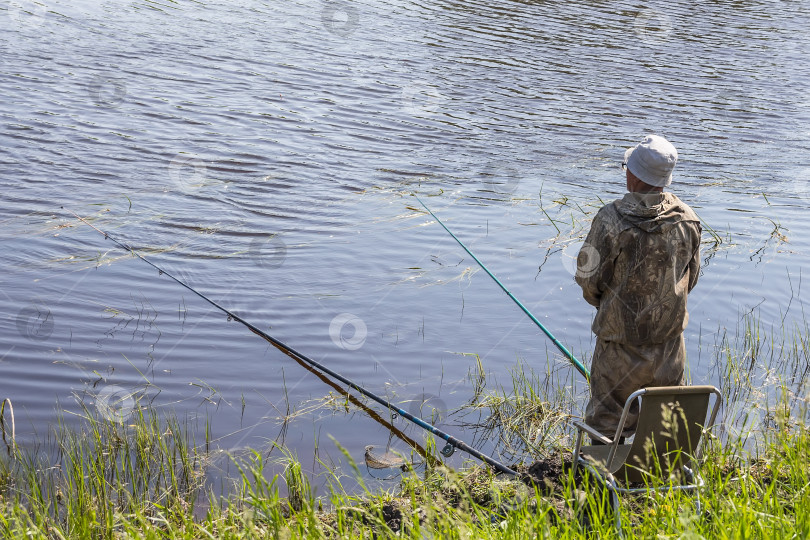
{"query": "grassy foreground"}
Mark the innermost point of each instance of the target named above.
(146, 480)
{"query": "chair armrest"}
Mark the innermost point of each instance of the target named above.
(582, 426)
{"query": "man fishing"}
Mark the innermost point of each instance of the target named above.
(637, 265)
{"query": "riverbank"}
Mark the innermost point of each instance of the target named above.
(146, 478)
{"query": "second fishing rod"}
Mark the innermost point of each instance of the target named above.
(568, 354)
(452, 442)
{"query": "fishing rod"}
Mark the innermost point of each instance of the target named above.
(452, 442)
(577, 364)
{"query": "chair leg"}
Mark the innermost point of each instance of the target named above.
(614, 504)
(609, 483)
(577, 449)
(692, 478)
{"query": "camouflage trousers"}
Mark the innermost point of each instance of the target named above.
(619, 370)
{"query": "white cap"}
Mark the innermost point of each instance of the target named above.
(652, 160)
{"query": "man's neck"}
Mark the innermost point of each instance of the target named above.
(634, 185)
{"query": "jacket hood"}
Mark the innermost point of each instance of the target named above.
(652, 212)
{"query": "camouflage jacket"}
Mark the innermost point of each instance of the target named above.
(637, 265)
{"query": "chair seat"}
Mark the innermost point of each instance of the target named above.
(624, 473)
(598, 455)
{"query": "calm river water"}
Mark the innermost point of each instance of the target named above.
(264, 152)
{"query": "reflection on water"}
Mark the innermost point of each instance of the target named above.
(263, 152)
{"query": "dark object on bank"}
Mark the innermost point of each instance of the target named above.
(661, 457)
(547, 474)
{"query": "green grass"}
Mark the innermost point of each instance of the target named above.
(147, 478)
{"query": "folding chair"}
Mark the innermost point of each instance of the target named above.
(670, 424)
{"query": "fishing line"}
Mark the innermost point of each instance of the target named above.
(452, 442)
(571, 358)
